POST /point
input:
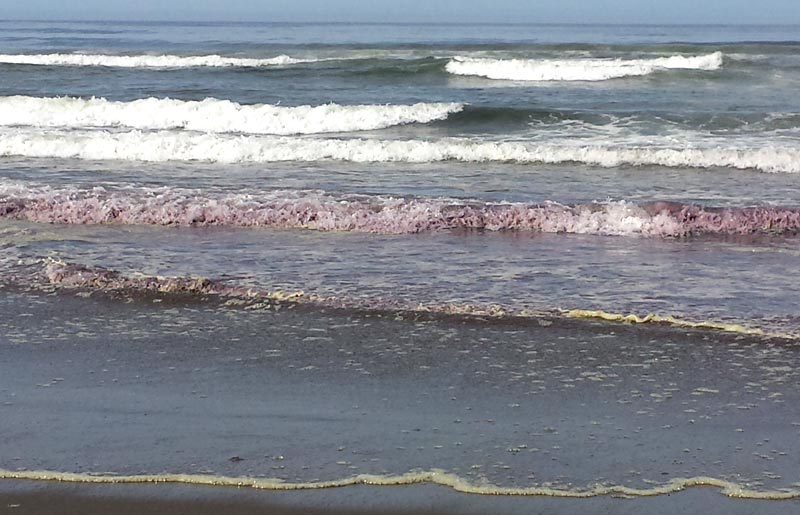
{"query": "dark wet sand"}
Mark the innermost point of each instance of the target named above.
(168, 384)
(18, 498)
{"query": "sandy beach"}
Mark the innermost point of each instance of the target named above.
(111, 385)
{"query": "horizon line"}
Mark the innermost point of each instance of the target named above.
(395, 23)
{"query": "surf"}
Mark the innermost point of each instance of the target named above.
(166, 146)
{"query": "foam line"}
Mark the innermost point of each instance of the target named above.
(652, 318)
(436, 477)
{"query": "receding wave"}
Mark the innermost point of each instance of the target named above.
(69, 275)
(149, 61)
(436, 477)
(379, 214)
(577, 69)
(162, 146)
(213, 115)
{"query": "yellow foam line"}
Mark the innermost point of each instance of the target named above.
(652, 318)
(437, 477)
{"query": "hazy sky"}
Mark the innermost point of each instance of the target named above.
(546, 11)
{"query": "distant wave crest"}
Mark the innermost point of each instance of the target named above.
(149, 61)
(213, 115)
(577, 69)
(379, 214)
(161, 146)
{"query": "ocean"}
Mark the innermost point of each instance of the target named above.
(466, 174)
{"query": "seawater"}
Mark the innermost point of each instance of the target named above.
(503, 169)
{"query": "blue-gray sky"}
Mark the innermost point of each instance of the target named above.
(533, 11)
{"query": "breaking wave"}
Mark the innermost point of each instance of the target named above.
(212, 115)
(379, 214)
(149, 61)
(164, 146)
(577, 69)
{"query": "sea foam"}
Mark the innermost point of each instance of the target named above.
(577, 69)
(212, 115)
(161, 146)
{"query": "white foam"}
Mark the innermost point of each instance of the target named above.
(436, 477)
(219, 148)
(148, 61)
(212, 115)
(577, 69)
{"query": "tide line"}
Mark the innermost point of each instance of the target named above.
(436, 477)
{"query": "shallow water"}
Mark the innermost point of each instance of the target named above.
(404, 130)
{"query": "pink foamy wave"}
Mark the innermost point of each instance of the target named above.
(695, 219)
(380, 214)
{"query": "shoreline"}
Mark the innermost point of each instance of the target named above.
(434, 478)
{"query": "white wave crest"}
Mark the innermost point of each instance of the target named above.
(219, 148)
(577, 69)
(212, 115)
(148, 61)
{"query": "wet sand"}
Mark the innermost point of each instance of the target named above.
(36, 498)
(103, 384)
